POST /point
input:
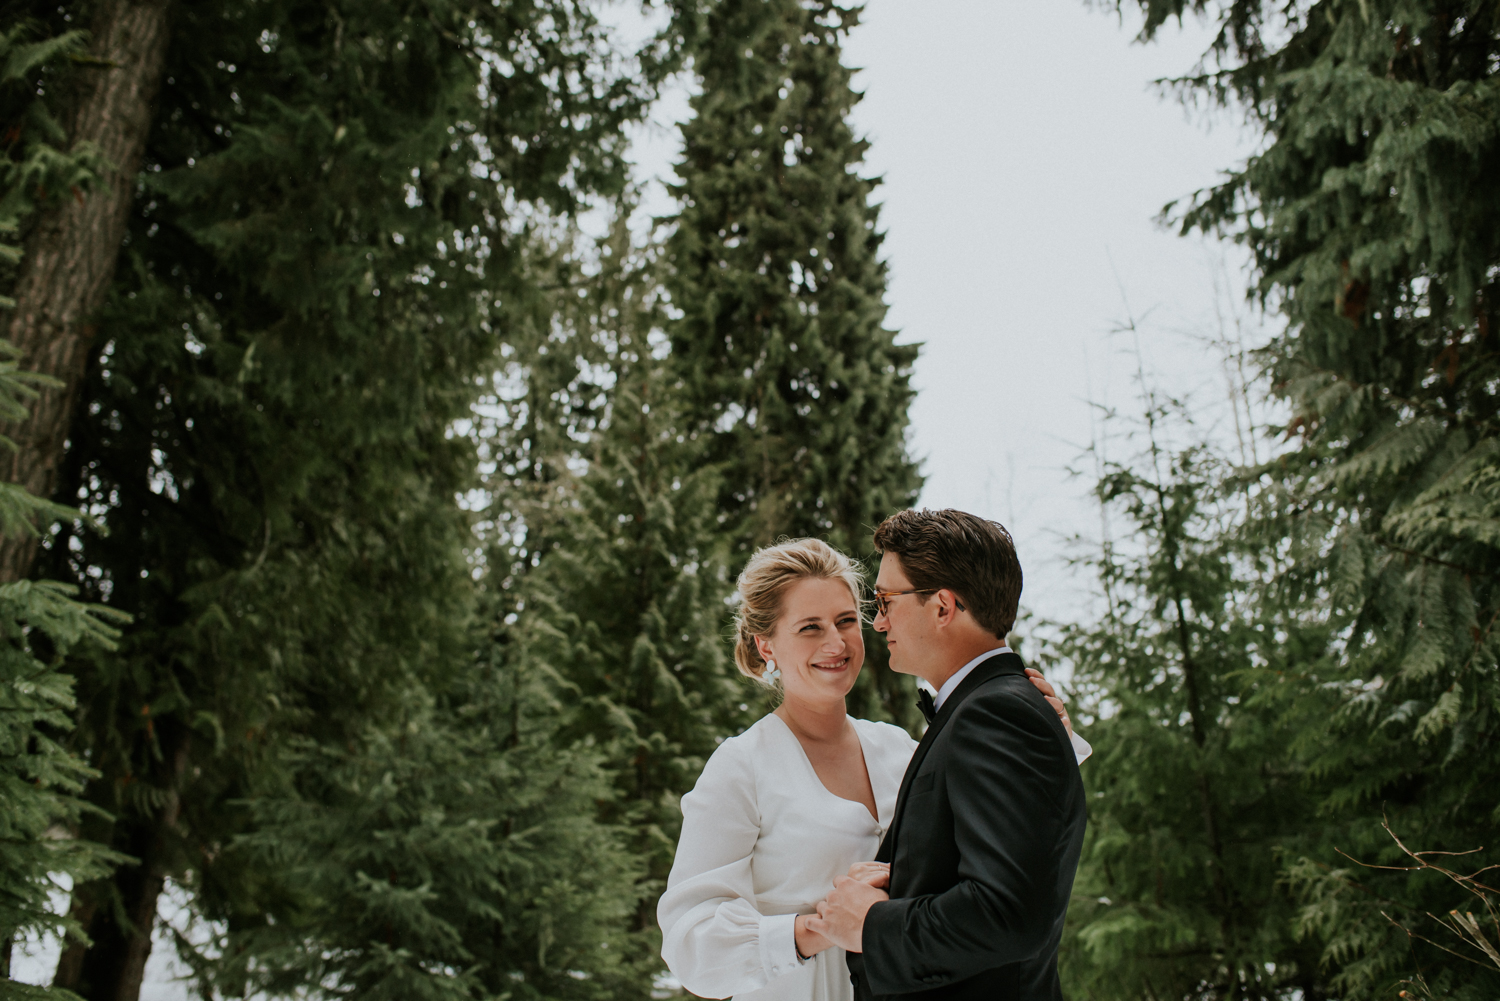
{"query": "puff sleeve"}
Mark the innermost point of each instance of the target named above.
(714, 938)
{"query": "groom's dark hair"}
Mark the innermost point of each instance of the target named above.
(970, 556)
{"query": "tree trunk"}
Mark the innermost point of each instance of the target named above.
(113, 966)
(70, 256)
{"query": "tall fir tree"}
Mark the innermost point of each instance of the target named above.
(789, 372)
(40, 778)
(40, 622)
(629, 573)
(1370, 213)
(322, 257)
(1195, 791)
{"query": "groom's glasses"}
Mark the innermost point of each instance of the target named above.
(883, 599)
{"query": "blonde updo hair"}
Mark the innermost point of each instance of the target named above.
(763, 585)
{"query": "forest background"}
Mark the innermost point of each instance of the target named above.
(384, 520)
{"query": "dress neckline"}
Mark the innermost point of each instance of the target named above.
(864, 754)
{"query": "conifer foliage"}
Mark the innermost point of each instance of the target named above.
(1371, 212)
(40, 621)
(451, 852)
(607, 539)
(1195, 791)
(323, 253)
(40, 778)
(641, 584)
(776, 272)
(416, 512)
(786, 366)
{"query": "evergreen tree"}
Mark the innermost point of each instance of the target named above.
(452, 851)
(1195, 790)
(321, 260)
(1371, 213)
(40, 779)
(788, 370)
(94, 111)
(40, 622)
(631, 579)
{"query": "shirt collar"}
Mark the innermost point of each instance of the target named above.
(962, 673)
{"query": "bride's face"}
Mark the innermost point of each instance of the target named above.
(819, 643)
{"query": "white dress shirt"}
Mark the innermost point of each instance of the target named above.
(1081, 748)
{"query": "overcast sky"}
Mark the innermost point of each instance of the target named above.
(1025, 156)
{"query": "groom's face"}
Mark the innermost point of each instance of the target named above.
(906, 621)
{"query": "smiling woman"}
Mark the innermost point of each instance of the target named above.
(789, 805)
(763, 588)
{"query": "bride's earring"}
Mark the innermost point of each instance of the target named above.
(770, 674)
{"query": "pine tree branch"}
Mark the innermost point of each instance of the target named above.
(1467, 571)
(1423, 406)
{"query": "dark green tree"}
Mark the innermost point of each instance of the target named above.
(322, 257)
(1195, 790)
(788, 370)
(453, 851)
(1370, 213)
(40, 778)
(634, 584)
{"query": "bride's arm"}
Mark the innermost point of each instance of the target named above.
(714, 940)
(1081, 748)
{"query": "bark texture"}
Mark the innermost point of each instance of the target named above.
(113, 966)
(71, 255)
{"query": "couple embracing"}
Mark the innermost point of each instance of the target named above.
(825, 858)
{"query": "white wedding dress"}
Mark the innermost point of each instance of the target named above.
(762, 841)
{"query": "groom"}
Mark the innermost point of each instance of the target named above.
(989, 823)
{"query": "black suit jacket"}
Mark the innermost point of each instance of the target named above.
(983, 847)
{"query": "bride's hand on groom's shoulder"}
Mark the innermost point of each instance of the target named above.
(1050, 694)
(874, 873)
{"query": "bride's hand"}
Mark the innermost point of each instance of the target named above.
(874, 873)
(1050, 694)
(809, 943)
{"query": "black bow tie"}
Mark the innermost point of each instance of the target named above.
(925, 703)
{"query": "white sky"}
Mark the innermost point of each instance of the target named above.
(1025, 157)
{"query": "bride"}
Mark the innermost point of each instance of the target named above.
(792, 803)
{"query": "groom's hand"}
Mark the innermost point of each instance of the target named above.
(874, 873)
(841, 917)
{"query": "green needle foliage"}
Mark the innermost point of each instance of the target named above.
(41, 622)
(641, 585)
(424, 510)
(787, 367)
(607, 538)
(326, 251)
(1370, 213)
(37, 167)
(449, 853)
(1195, 792)
(41, 780)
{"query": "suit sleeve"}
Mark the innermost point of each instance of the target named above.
(1007, 770)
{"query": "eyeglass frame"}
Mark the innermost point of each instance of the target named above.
(883, 604)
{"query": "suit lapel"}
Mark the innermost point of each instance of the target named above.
(993, 667)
